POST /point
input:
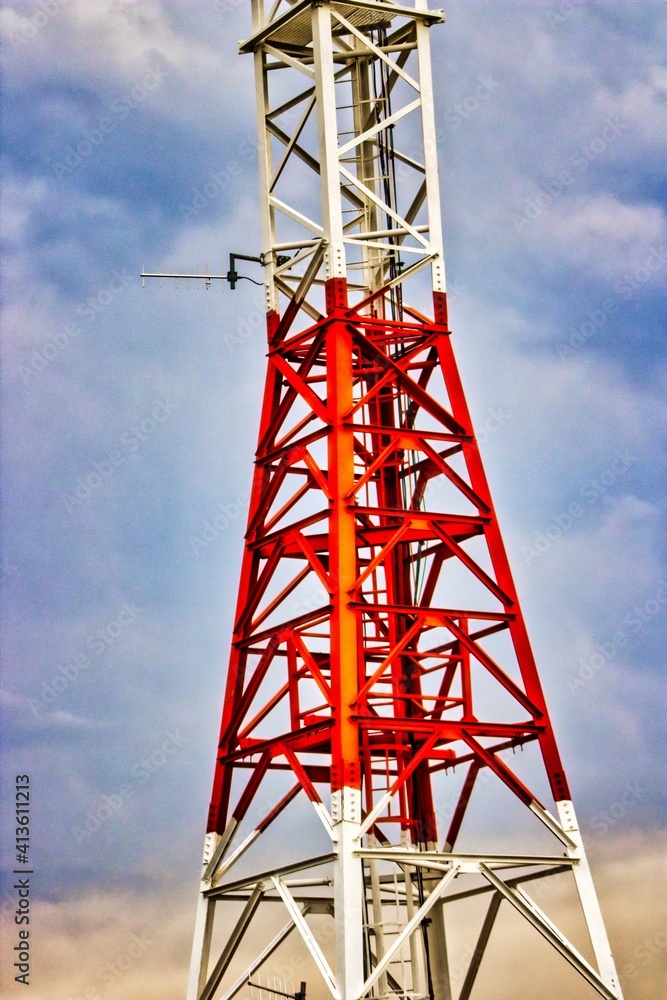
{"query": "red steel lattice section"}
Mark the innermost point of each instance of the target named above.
(369, 487)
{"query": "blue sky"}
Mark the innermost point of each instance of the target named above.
(130, 415)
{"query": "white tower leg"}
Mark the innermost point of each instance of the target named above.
(589, 900)
(348, 892)
(201, 944)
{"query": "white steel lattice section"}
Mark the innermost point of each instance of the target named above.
(347, 146)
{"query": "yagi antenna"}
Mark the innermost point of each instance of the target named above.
(232, 275)
(297, 995)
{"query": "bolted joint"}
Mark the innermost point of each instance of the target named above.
(335, 294)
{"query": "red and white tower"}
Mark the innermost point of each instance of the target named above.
(380, 665)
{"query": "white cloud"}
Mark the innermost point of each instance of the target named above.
(100, 45)
(56, 719)
(602, 235)
(641, 105)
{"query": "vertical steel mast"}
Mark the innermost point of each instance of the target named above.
(380, 667)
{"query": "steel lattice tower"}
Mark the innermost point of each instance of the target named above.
(411, 678)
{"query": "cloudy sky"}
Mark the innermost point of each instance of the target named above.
(130, 415)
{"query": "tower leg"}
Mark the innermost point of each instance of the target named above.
(348, 895)
(201, 945)
(589, 900)
(416, 952)
(437, 947)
